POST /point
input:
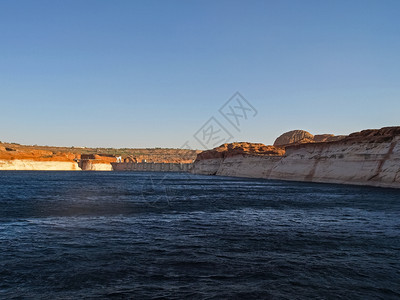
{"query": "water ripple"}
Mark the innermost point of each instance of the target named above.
(90, 235)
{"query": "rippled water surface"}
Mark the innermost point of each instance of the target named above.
(70, 235)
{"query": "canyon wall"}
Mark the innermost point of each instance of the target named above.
(371, 157)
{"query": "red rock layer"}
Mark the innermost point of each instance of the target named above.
(227, 150)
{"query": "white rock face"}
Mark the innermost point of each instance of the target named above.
(101, 167)
(374, 164)
(30, 165)
(209, 167)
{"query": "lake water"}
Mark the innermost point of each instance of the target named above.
(70, 235)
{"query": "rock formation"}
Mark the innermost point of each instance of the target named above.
(304, 137)
(227, 150)
(369, 157)
(294, 137)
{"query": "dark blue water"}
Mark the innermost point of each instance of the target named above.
(70, 235)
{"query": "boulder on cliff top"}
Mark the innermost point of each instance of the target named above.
(294, 137)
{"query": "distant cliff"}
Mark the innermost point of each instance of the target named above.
(95, 162)
(17, 157)
(20, 157)
(370, 157)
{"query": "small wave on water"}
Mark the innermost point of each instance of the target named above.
(90, 235)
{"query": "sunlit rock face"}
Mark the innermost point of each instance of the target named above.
(227, 150)
(294, 137)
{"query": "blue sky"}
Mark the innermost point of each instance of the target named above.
(151, 73)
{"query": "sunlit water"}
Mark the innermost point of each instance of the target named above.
(69, 235)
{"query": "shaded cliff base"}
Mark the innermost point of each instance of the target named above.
(369, 157)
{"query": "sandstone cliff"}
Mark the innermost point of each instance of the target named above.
(370, 157)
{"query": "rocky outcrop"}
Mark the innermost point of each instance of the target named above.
(375, 135)
(304, 137)
(227, 150)
(294, 137)
(370, 157)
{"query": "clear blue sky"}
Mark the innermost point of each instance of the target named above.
(150, 73)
